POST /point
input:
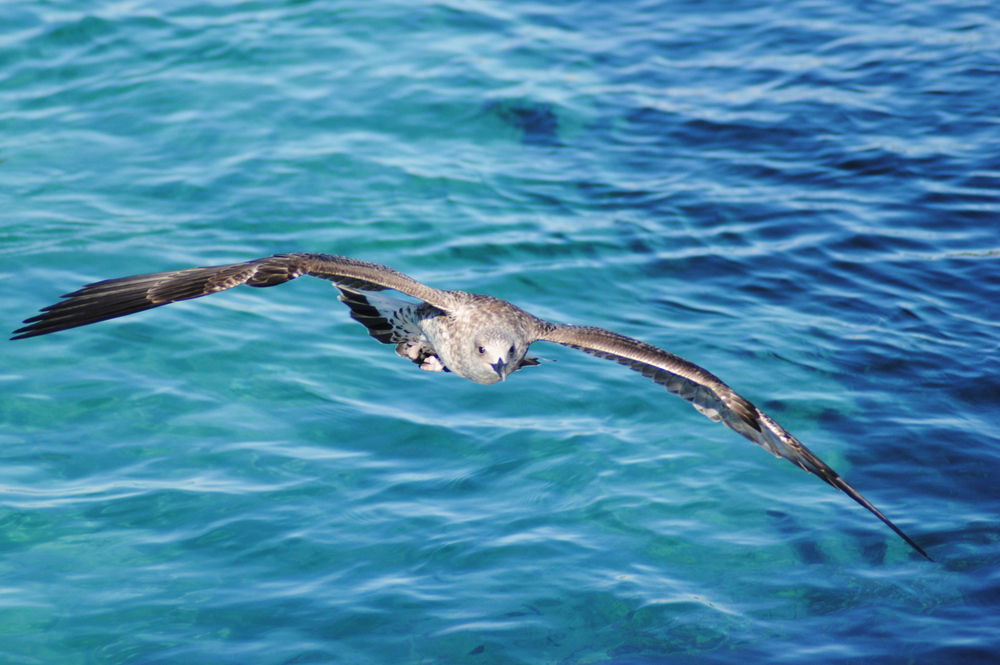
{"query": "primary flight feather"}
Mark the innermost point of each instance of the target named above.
(477, 337)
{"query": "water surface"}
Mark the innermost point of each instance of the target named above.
(801, 196)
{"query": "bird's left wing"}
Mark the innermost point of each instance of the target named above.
(710, 396)
(127, 295)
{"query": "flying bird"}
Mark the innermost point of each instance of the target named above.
(480, 338)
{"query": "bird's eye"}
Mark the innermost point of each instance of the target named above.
(482, 350)
(512, 349)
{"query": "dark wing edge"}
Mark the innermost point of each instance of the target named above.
(112, 298)
(711, 397)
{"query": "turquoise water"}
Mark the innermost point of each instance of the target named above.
(801, 196)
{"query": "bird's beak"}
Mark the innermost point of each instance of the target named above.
(500, 367)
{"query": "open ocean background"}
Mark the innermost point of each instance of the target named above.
(803, 197)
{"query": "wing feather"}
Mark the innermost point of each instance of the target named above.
(128, 295)
(709, 395)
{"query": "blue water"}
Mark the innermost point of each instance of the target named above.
(803, 197)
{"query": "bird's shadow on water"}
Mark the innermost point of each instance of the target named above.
(873, 550)
(538, 123)
(807, 551)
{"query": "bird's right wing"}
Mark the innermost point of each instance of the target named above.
(127, 295)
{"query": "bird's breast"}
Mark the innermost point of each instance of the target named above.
(439, 334)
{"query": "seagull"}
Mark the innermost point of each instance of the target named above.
(477, 337)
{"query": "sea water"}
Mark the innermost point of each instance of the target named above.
(800, 196)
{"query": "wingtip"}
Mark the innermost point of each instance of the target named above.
(912, 544)
(919, 549)
(22, 333)
(844, 487)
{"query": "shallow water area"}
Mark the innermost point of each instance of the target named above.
(800, 197)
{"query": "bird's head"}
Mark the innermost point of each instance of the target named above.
(496, 355)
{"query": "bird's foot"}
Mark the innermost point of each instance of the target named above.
(432, 364)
